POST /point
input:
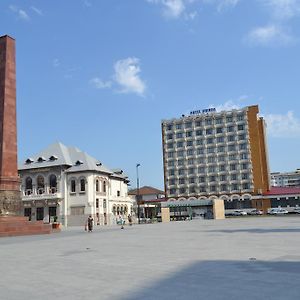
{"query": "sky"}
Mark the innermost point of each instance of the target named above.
(102, 75)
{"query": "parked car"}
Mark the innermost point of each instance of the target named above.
(297, 210)
(239, 212)
(255, 212)
(277, 211)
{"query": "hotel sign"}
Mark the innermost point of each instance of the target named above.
(203, 111)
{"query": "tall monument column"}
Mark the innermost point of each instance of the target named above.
(10, 200)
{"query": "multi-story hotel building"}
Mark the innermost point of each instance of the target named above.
(288, 179)
(210, 154)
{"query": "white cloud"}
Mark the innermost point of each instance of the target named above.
(21, 14)
(279, 125)
(37, 11)
(270, 35)
(228, 105)
(171, 8)
(127, 76)
(100, 84)
(222, 5)
(55, 62)
(282, 9)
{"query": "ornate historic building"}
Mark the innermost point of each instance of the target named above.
(68, 184)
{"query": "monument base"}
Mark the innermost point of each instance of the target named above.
(16, 226)
(10, 203)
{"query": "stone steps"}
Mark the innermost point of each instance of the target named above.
(16, 226)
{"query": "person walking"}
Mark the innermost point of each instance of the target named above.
(90, 221)
(121, 221)
(130, 220)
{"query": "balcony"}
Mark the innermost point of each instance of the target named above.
(41, 194)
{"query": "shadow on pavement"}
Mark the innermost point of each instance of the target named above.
(250, 279)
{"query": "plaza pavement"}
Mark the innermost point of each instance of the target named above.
(238, 258)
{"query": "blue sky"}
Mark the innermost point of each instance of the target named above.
(101, 75)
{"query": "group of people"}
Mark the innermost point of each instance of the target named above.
(90, 222)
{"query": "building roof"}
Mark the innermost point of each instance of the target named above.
(146, 190)
(72, 158)
(278, 190)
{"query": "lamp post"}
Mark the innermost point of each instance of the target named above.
(138, 191)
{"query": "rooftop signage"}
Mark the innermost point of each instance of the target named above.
(203, 111)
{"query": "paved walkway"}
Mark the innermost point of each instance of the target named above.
(243, 258)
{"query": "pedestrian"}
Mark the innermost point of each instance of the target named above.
(130, 220)
(121, 221)
(90, 221)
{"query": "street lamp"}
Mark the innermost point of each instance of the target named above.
(138, 191)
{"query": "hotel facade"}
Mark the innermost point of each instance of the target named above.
(217, 155)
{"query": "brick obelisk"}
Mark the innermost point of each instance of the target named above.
(10, 200)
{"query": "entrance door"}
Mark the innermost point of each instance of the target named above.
(52, 213)
(27, 212)
(40, 213)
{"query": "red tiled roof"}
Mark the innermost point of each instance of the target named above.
(146, 190)
(279, 190)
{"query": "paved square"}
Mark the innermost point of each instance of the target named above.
(242, 258)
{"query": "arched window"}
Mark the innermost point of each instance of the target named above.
(118, 210)
(104, 187)
(40, 184)
(97, 185)
(82, 185)
(28, 186)
(53, 183)
(114, 209)
(73, 186)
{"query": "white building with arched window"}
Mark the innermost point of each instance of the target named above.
(68, 184)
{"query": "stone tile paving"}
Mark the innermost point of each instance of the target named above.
(242, 258)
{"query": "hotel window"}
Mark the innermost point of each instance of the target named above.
(171, 163)
(231, 138)
(190, 152)
(169, 136)
(221, 158)
(230, 129)
(82, 185)
(181, 181)
(190, 161)
(211, 159)
(213, 188)
(188, 125)
(244, 166)
(209, 131)
(242, 137)
(244, 156)
(170, 154)
(200, 160)
(189, 143)
(178, 126)
(192, 180)
(219, 130)
(198, 132)
(219, 121)
(210, 150)
(223, 187)
(231, 148)
(233, 177)
(243, 146)
(172, 191)
(181, 172)
(179, 135)
(200, 151)
(234, 187)
(240, 117)
(201, 170)
(208, 122)
(211, 169)
(198, 123)
(169, 127)
(182, 190)
(104, 187)
(199, 142)
(245, 176)
(192, 190)
(232, 157)
(179, 144)
(241, 127)
(212, 178)
(191, 171)
(222, 168)
(180, 162)
(221, 148)
(189, 134)
(246, 186)
(229, 119)
(201, 179)
(223, 178)
(180, 153)
(232, 167)
(202, 189)
(169, 145)
(171, 172)
(210, 141)
(220, 139)
(172, 181)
